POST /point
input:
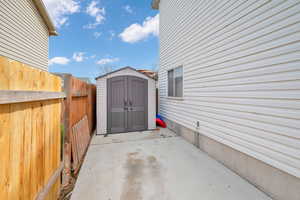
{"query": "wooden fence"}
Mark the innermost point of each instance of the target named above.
(79, 106)
(30, 135)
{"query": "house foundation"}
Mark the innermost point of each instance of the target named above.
(277, 184)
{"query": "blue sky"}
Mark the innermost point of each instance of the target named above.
(96, 36)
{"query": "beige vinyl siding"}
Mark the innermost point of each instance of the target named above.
(23, 34)
(241, 63)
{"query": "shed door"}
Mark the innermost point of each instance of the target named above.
(116, 102)
(138, 104)
(127, 104)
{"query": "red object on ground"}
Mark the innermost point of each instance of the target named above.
(161, 123)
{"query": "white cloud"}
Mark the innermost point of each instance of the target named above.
(95, 11)
(79, 56)
(112, 35)
(137, 32)
(59, 61)
(128, 9)
(105, 61)
(97, 34)
(59, 10)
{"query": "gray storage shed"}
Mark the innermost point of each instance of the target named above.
(126, 102)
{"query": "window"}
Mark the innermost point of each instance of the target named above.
(175, 82)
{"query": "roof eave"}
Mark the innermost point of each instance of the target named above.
(155, 4)
(45, 16)
(53, 33)
(123, 68)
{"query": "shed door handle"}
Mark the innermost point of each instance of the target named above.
(125, 105)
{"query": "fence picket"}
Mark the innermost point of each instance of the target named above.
(29, 133)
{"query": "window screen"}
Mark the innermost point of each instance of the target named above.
(175, 82)
(171, 83)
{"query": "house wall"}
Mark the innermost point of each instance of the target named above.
(102, 99)
(23, 34)
(241, 78)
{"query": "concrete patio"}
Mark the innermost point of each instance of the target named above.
(156, 165)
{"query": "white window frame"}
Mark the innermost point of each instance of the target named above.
(173, 87)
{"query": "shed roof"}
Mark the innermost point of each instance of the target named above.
(45, 16)
(128, 67)
(149, 73)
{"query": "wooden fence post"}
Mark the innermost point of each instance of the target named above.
(66, 178)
